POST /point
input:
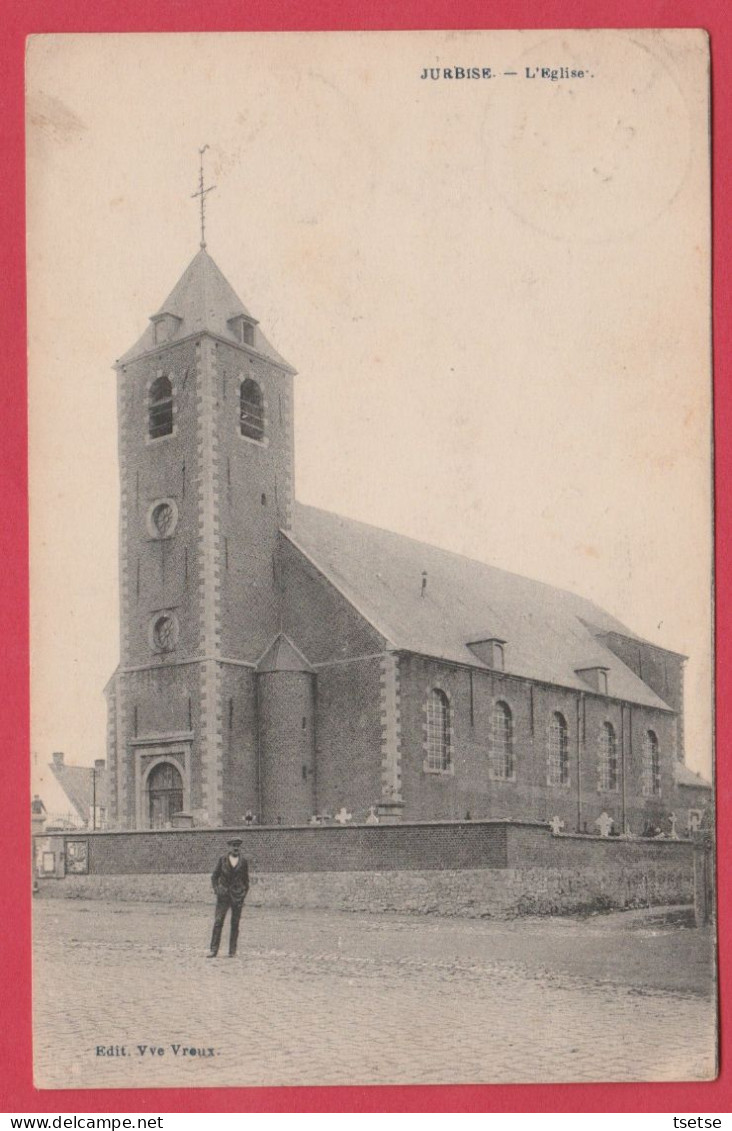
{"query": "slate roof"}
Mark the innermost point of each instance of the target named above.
(685, 776)
(549, 632)
(76, 782)
(46, 785)
(283, 656)
(203, 300)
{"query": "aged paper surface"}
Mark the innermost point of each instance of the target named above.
(487, 256)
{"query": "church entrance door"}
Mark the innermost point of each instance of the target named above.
(165, 792)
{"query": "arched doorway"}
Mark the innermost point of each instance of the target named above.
(165, 794)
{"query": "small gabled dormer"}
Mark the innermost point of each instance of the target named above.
(491, 652)
(595, 677)
(165, 326)
(242, 328)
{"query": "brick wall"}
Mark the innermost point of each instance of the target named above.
(301, 849)
(470, 785)
(238, 742)
(321, 622)
(158, 573)
(348, 737)
(534, 846)
(254, 492)
(660, 669)
(216, 570)
(286, 746)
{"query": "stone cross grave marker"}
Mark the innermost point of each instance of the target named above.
(604, 823)
(343, 816)
(557, 825)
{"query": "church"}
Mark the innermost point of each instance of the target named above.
(281, 664)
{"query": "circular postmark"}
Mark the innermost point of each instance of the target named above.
(592, 158)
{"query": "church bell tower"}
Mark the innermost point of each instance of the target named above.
(206, 477)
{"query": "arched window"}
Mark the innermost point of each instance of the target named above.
(251, 410)
(503, 767)
(161, 408)
(607, 763)
(651, 765)
(438, 730)
(165, 794)
(558, 751)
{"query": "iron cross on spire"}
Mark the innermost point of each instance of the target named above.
(202, 192)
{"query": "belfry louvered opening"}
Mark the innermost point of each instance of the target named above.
(160, 412)
(251, 410)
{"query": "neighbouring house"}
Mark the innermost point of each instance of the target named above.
(75, 796)
(694, 805)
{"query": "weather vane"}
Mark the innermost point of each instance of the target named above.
(202, 194)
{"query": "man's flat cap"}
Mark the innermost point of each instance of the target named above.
(235, 842)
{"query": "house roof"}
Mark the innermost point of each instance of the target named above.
(549, 632)
(203, 300)
(685, 776)
(56, 801)
(76, 782)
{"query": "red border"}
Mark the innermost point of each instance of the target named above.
(23, 17)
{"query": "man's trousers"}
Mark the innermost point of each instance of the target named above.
(223, 903)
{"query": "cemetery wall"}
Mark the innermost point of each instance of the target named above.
(470, 869)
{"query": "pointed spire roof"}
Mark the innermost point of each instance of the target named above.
(202, 300)
(283, 656)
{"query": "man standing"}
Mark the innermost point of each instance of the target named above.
(230, 882)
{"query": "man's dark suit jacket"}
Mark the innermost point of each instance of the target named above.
(229, 882)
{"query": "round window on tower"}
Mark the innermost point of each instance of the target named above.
(164, 631)
(162, 518)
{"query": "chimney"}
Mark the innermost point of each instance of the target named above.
(99, 764)
(58, 758)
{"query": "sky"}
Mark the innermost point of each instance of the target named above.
(495, 292)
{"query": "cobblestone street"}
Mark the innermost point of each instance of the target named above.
(336, 998)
